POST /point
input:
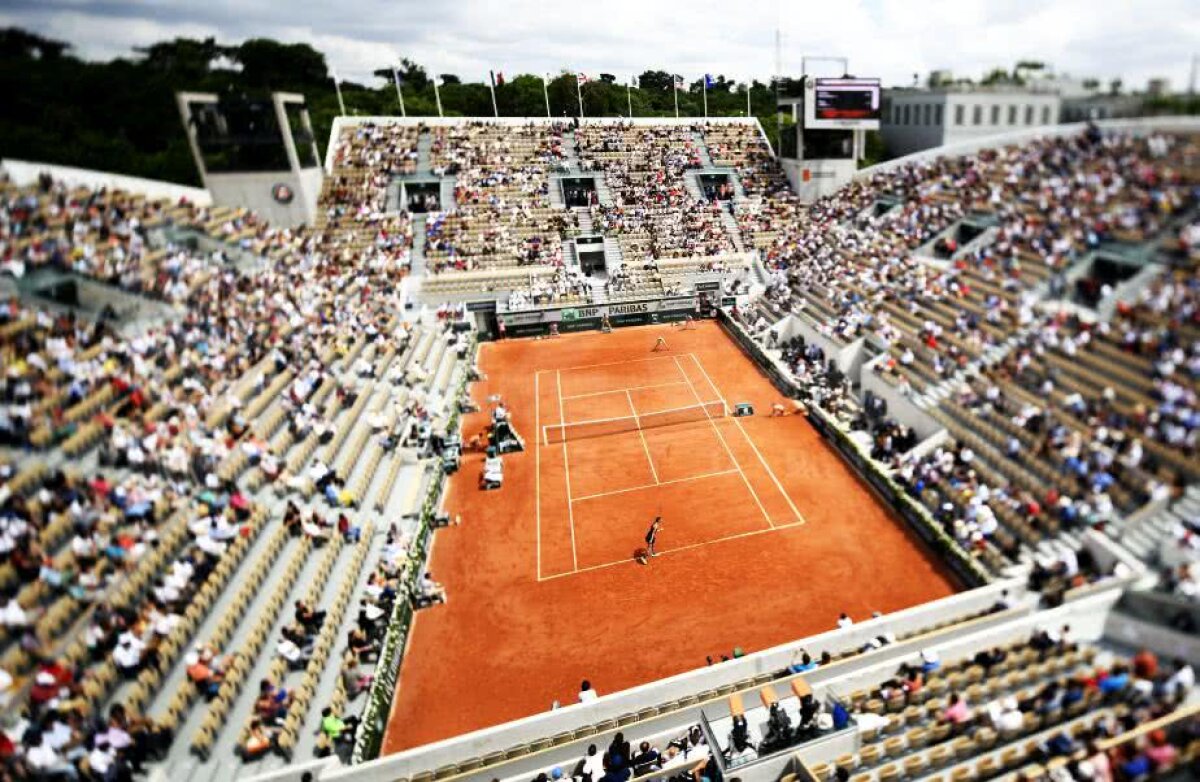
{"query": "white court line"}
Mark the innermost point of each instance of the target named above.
(728, 450)
(678, 550)
(745, 434)
(654, 485)
(608, 364)
(642, 435)
(624, 390)
(537, 472)
(566, 468)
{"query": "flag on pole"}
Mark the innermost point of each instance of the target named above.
(581, 79)
(499, 78)
(679, 85)
(437, 95)
(546, 93)
(678, 82)
(709, 81)
(492, 87)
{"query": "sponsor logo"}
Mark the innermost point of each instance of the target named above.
(282, 193)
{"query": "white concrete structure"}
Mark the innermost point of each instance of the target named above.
(285, 197)
(917, 119)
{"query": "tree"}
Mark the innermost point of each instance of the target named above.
(656, 80)
(183, 58)
(1114, 87)
(268, 64)
(608, 78)
(1000, 76)
(16, 43)
(450, 78)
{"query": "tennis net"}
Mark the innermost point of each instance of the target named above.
(603, 427)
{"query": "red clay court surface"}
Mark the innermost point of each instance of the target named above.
(767, 534)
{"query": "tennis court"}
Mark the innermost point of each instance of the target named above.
(767, 534)
(619, 442)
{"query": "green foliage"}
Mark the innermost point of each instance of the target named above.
(121, 115)
(874, 151)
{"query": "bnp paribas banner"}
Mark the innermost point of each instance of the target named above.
(616, 311)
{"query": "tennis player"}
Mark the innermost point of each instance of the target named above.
(652, 536)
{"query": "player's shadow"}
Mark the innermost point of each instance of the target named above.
(641, 555)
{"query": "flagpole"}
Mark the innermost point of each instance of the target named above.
(399, 94)
(704, 84)
(437, 94)
(338, 88)
(579, 94)
(747, 99)
(492, 86)
(675, 84)
(546, 95)
(629, 98)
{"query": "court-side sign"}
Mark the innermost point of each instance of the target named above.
(615, 310)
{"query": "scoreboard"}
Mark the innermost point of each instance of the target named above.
(842, 104)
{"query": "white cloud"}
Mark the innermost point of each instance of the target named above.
(890, 38)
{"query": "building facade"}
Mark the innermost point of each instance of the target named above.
(917, 119)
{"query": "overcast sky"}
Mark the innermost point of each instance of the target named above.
(889, 38)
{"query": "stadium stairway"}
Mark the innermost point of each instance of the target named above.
(424, 144)
(570, 256)
(602, 191)
(586, 226)
(447, 194)
(731, 228)
(556, 193)
(599, 294)
(613, 257)
(417, 257)
(706, 160)
(571, 149)
(1144, 537)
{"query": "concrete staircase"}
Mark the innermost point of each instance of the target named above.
(586, 226)
(571, 149)
(417, 266)
(599, 294)
(570, 256)
(613, 257)
(556, 193)
(602, 191)
(731, 228)
(702, 147)
(692, 184)
(424, 144)
(447, 194)
(1144, 537)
